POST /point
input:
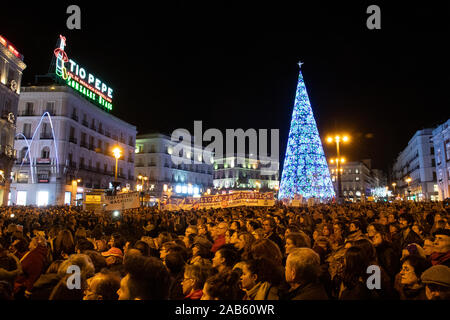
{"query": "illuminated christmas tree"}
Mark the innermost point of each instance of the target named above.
(305, 169)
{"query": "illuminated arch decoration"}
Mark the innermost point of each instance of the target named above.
(76, 77)
(305, 168)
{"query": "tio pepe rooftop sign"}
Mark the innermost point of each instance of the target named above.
(79, 79)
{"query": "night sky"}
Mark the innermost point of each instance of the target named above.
(235, 66)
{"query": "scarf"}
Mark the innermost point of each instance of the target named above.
(195, 295)
(439, 258)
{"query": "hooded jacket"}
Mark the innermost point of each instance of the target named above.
(33, 264)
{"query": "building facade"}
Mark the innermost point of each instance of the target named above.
(64, 145)
(417, 161)
(244, 172)
(11, 69)
(164, 170)
(441, 141)
(357, 179)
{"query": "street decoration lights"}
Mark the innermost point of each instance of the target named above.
(338, 140)
(305, 169)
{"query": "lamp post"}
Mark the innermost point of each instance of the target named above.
(142, 188)
(75, 183)
(394, 185)
(338, 139)
(408, 180)
(338, 172)
(117, 152)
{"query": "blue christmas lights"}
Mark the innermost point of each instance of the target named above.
(305, 169)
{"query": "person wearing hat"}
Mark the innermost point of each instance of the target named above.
(201, 251)
(441, 254)
(437, 282)
(114, 259)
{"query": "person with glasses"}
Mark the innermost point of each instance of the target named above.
(194, 279)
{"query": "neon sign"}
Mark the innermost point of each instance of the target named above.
(79, 79)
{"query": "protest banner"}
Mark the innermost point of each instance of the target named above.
(122, 201)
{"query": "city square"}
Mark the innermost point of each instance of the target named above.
(195, 163)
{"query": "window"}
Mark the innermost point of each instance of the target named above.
(50, 108)
(45, 153)
(27, 130)
(447, 150)
(21, 198)
(357, 178)
(356, 171)
(29, 109)
(42, 198)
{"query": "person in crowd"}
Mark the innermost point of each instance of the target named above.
(441, 246)
(265, 248)
(102, 286)
(353, 283)
(407, 234)
(259, 279)
(224, 259)
(410, 286)
(64, 245)
(269, 226)
(74, 291)
(223, 286)
(175, 263)
(219, 240)
(194, 279)
(428, 246)
(33, 265)
(302, 274)
(437, 282)
(295, 240)
(243, 244)
(147, 279)
(201, 252)
(387, 256)
(10, 266)
(44, 285)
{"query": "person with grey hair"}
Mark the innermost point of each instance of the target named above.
(302, 274)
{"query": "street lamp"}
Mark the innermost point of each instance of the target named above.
(117, 152)
(338, 139)
(394, 185)
(75, 183)
(408, 180)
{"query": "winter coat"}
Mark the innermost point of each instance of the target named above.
(262, 291)
(309, 291)
(388, 258)
(33, 264)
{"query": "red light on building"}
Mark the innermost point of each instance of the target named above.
(10, 47)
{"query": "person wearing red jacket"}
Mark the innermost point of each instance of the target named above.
(219, 241)
(33, 264)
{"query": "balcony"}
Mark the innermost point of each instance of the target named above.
(92, 147)
(27, 113)
(46, 136)
(83, 144)
(74, 117)
(85, 123)
(24, 136)
(73, 140)
(101, 131)
(93, 127)
(73, 164)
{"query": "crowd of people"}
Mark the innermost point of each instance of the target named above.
(359, 251)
